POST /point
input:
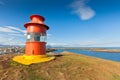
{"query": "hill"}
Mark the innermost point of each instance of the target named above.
(70, 66)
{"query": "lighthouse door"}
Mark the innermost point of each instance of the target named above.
(33, 52)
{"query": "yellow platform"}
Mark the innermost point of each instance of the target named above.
(27, 60)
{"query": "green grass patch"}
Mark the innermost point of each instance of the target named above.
(15, 64)
(116, 77)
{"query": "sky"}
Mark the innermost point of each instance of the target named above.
(73, 23)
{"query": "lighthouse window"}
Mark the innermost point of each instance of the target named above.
(28, 36)
(37, 38)
(43, 38)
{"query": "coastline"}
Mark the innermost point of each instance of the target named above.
(106, 50)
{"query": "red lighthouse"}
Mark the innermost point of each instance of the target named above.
(36, 36)
(35, 51)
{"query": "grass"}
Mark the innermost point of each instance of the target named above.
(70, 66)
(116, 77)
(1, 68)
(14, 64)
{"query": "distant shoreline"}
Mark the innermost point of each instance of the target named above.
(93, 49)
(103, 50)
(107, 50)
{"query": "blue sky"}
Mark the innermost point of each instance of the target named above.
(72, 22)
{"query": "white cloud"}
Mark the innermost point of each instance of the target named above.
(16, 29)
(5, 29)
(10, 35)
(12, 40)
(16, 34)
(57, 44)
(11, 29)
(81, 8)
(49, 35)
(89, 43)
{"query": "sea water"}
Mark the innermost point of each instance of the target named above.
(105, 55)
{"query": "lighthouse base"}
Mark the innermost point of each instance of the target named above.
(27, 60)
